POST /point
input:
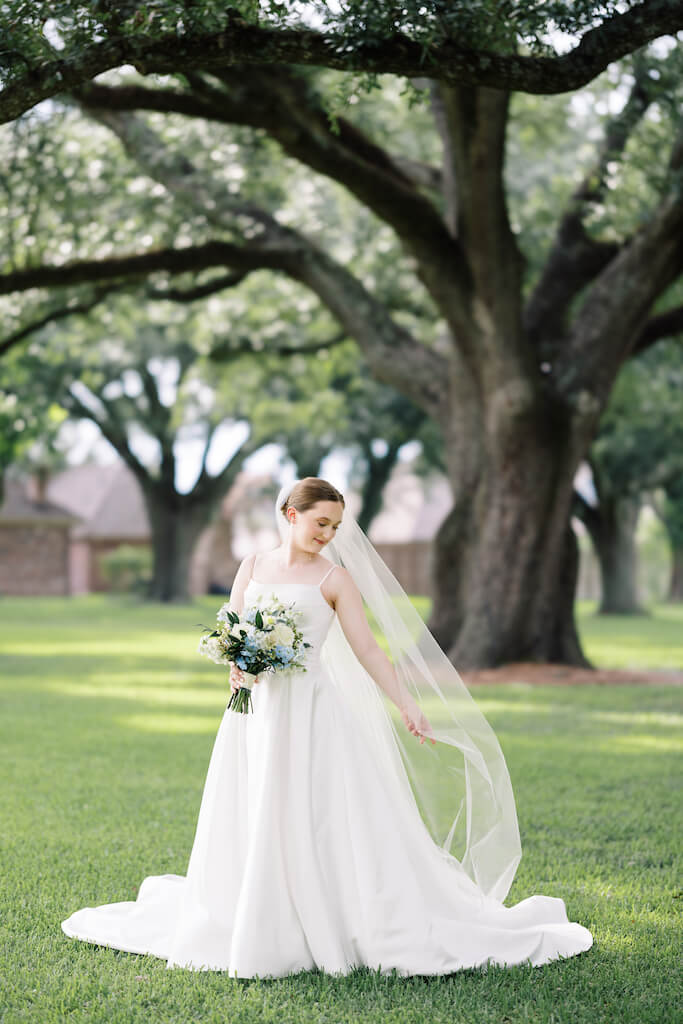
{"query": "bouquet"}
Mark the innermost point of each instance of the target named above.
(261, 639)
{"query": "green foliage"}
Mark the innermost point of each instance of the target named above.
(36, 30)
(640, 440)
(128, 568)
(86, 196)
(555, 143)
(68, 188)
(28, 429)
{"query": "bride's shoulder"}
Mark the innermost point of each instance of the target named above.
(257, 556)
(246, 566)
(340, 579)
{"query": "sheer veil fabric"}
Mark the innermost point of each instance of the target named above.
(461, 784)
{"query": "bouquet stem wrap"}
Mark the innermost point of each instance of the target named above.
(240, 700)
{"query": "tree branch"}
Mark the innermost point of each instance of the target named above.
(575, 258)
(112, 429)
(618, 303)
(396, 357)
(663, 325)
(209, 488)
(159, 414)
(421, 174)
(134, 265)
(172, 52)
(411, 368)
(211, 428)
(587, 513)
(199, 192)
(200, 291)
(226, 351)
(53, 316)
(210, 103)
(472, 124)
(285, 106)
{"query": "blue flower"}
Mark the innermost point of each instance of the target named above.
(284, 653)
(241, 663)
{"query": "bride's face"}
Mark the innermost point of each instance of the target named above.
(314, 528)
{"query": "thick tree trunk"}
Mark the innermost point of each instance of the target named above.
(506, 556)
(671, 516)
(378, 472)
(612, 528)
(176, 526)
(675, 594)
(616, 549)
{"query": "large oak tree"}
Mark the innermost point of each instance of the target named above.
(524, 368)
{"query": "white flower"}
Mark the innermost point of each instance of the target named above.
(210, 646)
(283, 634)
(223, 613)
(237, 629)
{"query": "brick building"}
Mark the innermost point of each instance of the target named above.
(34, 543)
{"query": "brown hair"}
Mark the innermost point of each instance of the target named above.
(308, 492)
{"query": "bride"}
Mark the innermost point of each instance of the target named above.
(323, 840)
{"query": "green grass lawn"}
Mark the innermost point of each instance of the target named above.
(108, 719)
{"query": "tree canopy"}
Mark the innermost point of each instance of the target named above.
(507, 331)
(52, 47)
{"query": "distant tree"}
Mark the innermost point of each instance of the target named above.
(148, 387)
(670, 511)
(639, 449)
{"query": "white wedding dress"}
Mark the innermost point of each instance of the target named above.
(302, 860)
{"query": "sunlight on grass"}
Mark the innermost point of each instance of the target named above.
(670, 719)
(150, 695)
(512, 706)
(628, 641)
(640, 742)
(172, 724)
(147, 647)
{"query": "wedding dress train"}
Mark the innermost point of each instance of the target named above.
(301, 859)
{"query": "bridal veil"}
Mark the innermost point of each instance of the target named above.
(461, 784)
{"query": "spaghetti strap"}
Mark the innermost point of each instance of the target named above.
(326, 575)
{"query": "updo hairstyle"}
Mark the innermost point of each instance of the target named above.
(307, 492)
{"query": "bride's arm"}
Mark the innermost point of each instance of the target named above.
(236, 604)
(239, 584)
(348, 605)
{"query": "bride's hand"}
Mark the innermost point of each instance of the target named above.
(237, 677)
(417, 723)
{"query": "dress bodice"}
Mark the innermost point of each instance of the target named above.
(307, 598)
